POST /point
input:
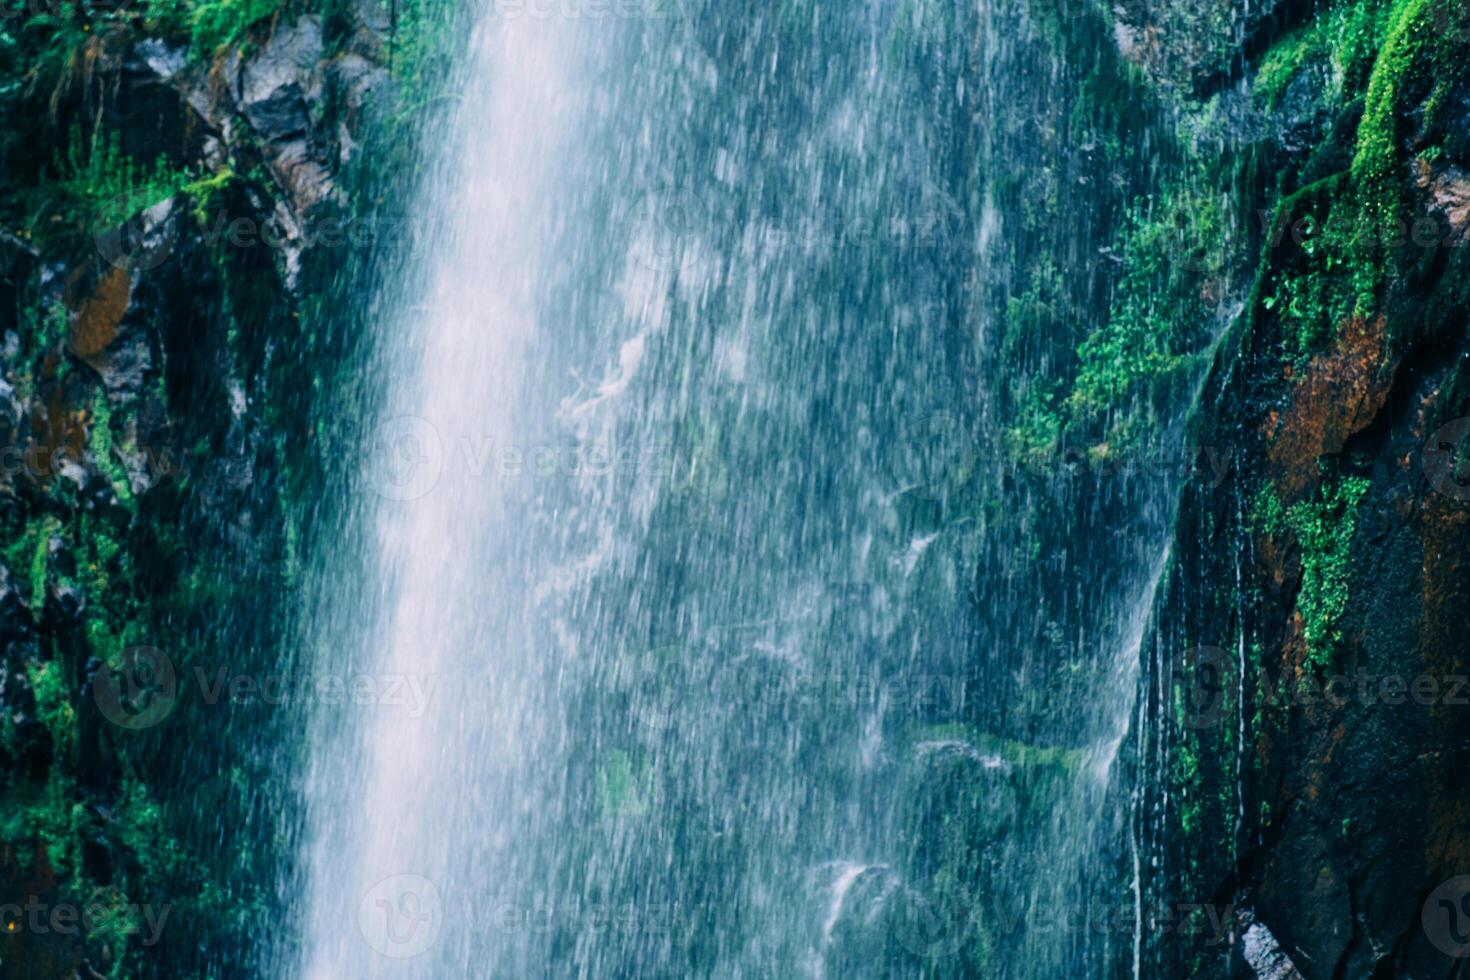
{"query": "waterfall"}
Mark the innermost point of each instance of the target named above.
(441, 612)
(684, 510)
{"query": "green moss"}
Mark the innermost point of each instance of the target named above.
(216, 23)
(1324, 528)
(1357, 34)
(1415, 64)
(1159, 320)
(1313, 275)
(206, 191)
(51, 327)
(1346, 39)
(428, 33)
(40, 555)
(112, 919)
(104, 186)
(1187, 780)
(140, 827)
(46, 814)
(102, 450)
(1287, 57)
(1038, 429)
(53, 704)
(1267, 516)
(19, 546)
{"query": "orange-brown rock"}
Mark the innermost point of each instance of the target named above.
(1340, 393)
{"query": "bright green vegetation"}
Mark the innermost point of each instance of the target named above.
(39, 556)
(1344, 40)
(1175, 257)
(1418, 54)
(1160, 315)
(1331, 249)
(1310, 296)
(103, 450)
(1267, 516)
(1187, 777)
(217, 23)
(1324, 528)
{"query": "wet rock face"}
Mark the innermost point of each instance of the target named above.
(1196, 45)
(1326, 568)
(286, 98)
(277, 85)
(279, 90)
(146, 355)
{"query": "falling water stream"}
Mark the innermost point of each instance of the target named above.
(663, 538)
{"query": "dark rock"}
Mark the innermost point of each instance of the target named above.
(374, 15)
(305, 178)
(281, 114)
(365, 91)
(1303, 114)
(277, 83)
(1263, 954)
(1449, 193)
(1194, 46)
(69, 600)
